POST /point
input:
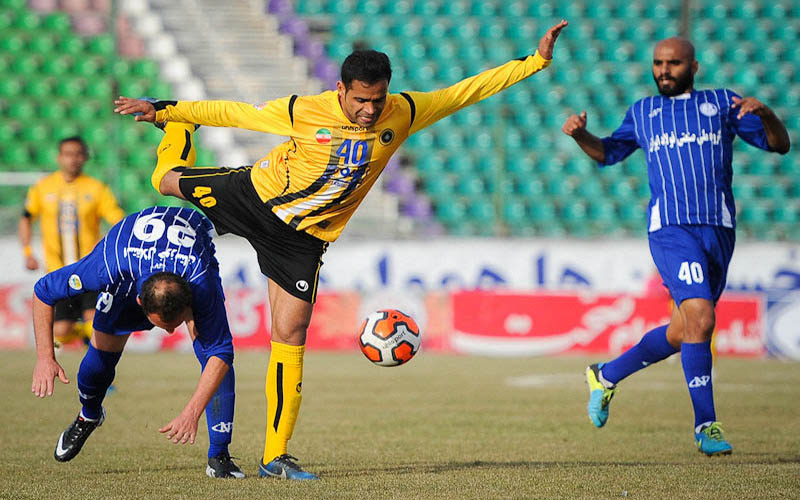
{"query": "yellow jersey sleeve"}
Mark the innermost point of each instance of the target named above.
(274, 117)
(108, 207)
(435, 105)
(33, 201)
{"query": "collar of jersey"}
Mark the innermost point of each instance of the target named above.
(681, 97)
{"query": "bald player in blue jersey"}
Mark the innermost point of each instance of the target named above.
(687, 137)
(153, 268)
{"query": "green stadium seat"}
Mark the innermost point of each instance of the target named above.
(15, 156)
(26, 66)
(397, 8)
(26, 21)
(10, 86)
(439, 186)
(70, 87)
(529, 188)
(590, 188)
(513, 211)
(786, 213)
(56, 65)
(450, 210)
(42, 43)
(63, 129)
(542, 212)
(71, 44)
(470, 186)
(22, 110)
(145, 68)
(482, 212)
(87, 67)
(35, 132)
(44, 155)
(52, 110)
(8, 131)
(56, 22)
(12, 42)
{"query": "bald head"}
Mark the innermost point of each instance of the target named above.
(677, 45)
(674, 66)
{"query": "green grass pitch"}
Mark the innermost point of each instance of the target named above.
(439, 427)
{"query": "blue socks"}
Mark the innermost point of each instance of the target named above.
(219, 412)
(95, 375)
(697, 363)
(651, 349)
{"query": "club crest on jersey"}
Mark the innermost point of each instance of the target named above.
(323, 136)
(75, 282)
(708, 109)
(387, 136)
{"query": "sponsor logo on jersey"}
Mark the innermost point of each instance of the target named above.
(75, 282)
(699, 381)
(387, 136)
(708, 109)
(654, 112)
(225, 427)
(302, 285)
(323, 136)
(299, 387)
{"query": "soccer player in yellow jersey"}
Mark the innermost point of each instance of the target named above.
(296, 200)
(69, 206)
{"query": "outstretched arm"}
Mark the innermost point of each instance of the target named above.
(272, 116)
(777, 135)
(575, 127)
(47, 368)
(183, 428)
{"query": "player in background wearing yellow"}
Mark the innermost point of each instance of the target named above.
(296, 200)
(69, 206)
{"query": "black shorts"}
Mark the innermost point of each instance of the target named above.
(288, 257)
(71, 309)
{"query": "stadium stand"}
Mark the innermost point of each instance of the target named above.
(505, 162)
(55, 82)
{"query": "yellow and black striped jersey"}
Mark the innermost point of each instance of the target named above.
(69, 216)
(316, 179)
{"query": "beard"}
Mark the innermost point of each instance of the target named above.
(675, 85)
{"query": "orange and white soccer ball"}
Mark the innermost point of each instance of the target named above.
(389, 337)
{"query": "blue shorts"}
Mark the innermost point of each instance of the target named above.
(119, 315)
(693, 260)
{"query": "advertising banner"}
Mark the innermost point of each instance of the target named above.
(514, 324)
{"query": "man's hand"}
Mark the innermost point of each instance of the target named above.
(750, 105)
(44, 374)
(575, 124)
(128, 106)
(548, 41)
(31, 263)
(182, 429)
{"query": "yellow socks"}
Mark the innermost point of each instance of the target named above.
(175, 150)
(284, 383)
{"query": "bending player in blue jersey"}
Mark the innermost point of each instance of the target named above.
(153, 268)
(687, 138)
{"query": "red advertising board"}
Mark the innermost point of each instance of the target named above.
(470, 322)
(515, 324)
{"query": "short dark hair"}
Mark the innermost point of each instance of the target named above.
(165, 294)
(74, 138)
(368, 66)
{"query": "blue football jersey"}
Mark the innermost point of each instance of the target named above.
(157, 239)
(688, 142)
